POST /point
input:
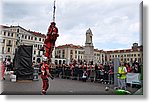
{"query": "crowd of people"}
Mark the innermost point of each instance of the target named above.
(6, 66)
(103, 73)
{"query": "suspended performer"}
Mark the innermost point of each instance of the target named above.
(50, 39)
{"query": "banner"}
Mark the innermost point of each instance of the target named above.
(133, 78)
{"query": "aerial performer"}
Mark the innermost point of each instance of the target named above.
(51, 38)
(49, 45)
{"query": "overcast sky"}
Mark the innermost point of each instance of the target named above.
(114, 23)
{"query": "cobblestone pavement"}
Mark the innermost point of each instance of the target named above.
(57, 87)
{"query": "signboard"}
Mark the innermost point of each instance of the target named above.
(133, 78)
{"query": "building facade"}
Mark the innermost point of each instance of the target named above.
(88, 54)
(135, 53)
(13, 36)
(69, 52)
(73, 52)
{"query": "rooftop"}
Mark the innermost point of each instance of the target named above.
(33, 32)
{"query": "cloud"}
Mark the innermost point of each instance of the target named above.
(114, 23)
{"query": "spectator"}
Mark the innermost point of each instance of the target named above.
(84, 76)
(106, 75)
(122, 71)
(128, 68)
(9, 65)
(111, 75)
(2, 66)
(101, 75)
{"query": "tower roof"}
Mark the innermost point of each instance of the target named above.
(89, 31)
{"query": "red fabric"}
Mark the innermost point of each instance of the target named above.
(128, 69)
(2, 66)
(44, 76)
(110, 71)
(43, 70)
(45, 84)
(50, 40)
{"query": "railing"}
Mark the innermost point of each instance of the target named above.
(92, 75)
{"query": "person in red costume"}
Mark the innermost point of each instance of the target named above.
(50, 40)
(2, 67)
(44, 75)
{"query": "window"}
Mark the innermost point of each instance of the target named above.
(39, 39)
(22, 36)
(8, 50)
(59, 51)
(9, 42)
(127, 55)
(63, 56)
(138, 55)
(115, 55)
(124, 55)
(71, 52)
(75, 52)
(34, 52)
(11, 34)
(134, 55)
(63, 51)
(4, 33)
(8, 34)
(78, 52)
(29, 37)
(35, 38)
(2, 50)
(33, 58)
(43, 40)
(25, 36)
(131, 60)
(118, 55)
(17, 30)
(32, 38)
(70, 56)
(38, 47)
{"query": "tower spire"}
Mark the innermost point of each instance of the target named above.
(54, 11)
